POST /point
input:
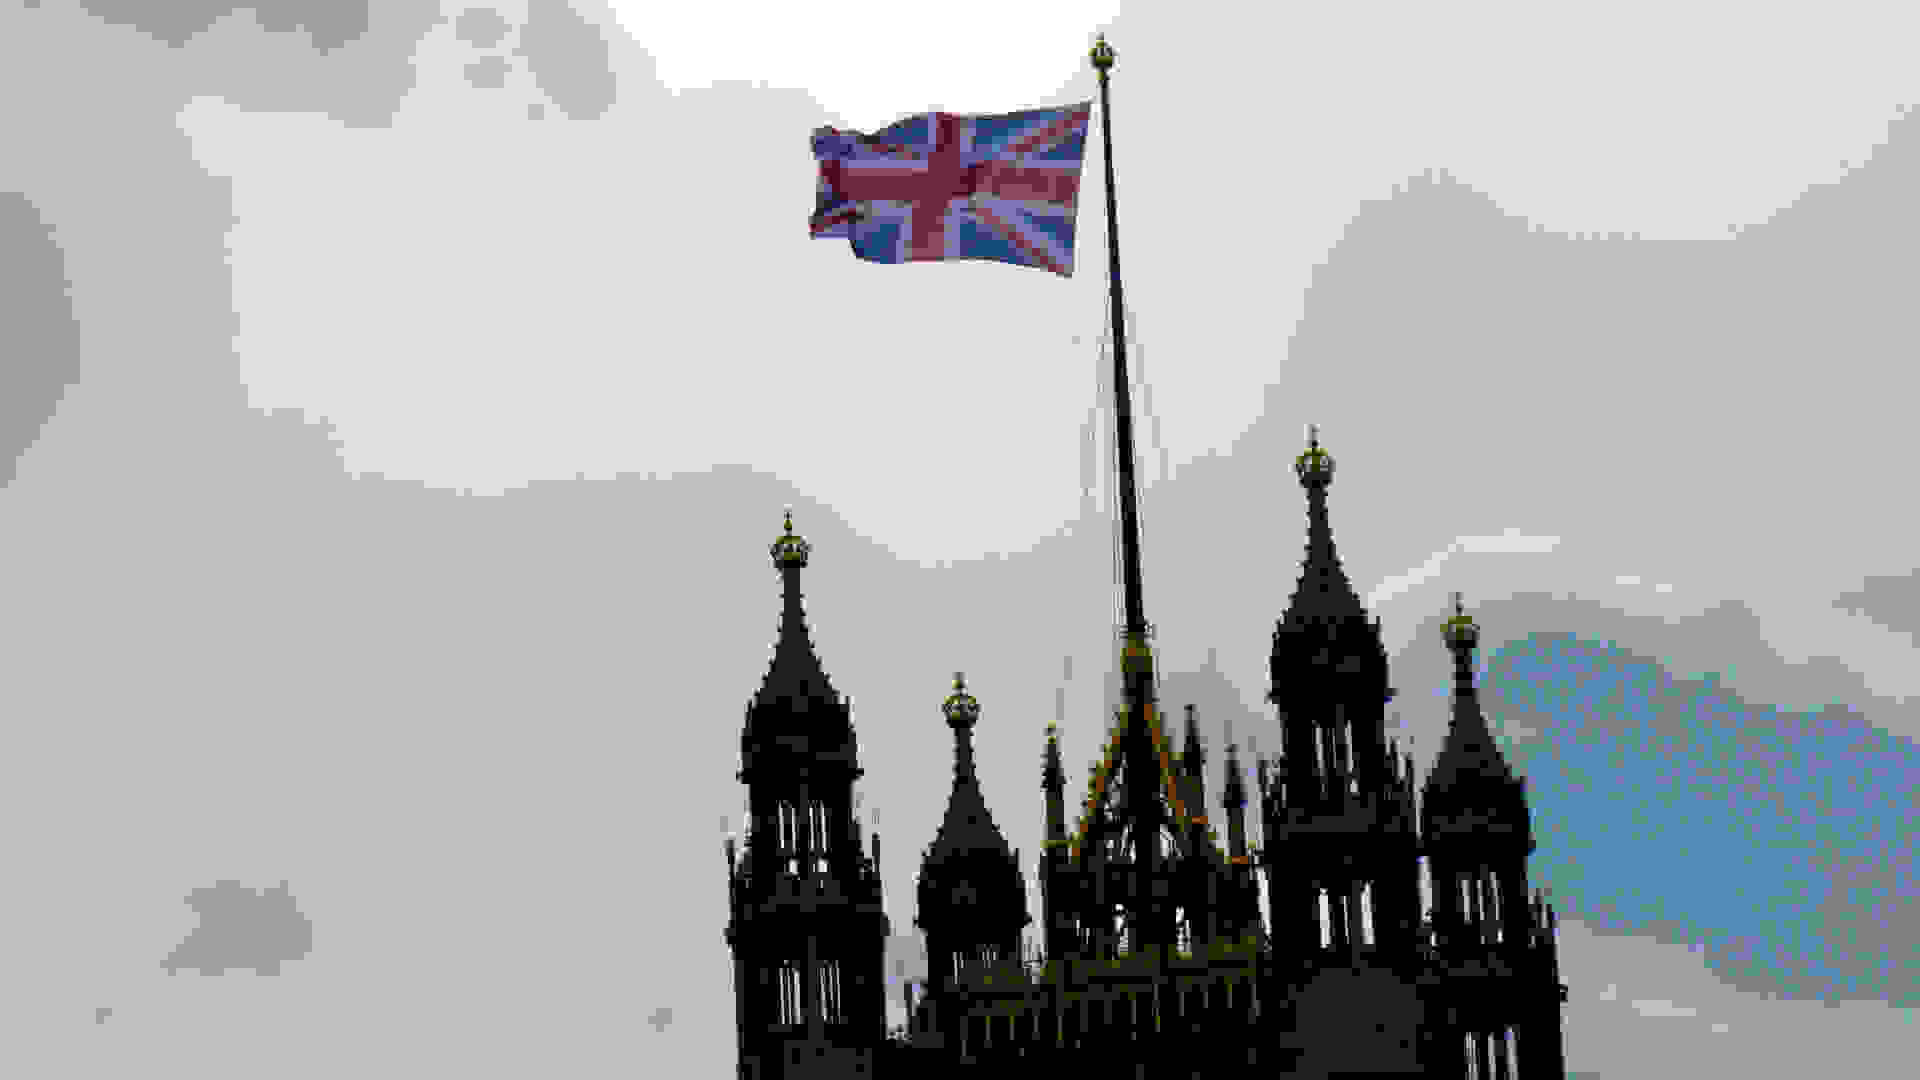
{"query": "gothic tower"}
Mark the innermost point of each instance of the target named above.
(972, 901)
(1240, 912)
(1496, 943)
(1059, 937)
(807, 930)
(1341, 850)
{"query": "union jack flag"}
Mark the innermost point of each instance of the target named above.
(941, 186)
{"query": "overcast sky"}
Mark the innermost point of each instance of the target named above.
(396, 406)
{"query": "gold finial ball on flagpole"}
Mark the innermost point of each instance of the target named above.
(1102, 54)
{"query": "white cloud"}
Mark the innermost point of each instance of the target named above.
(853, 62)
(1512, 541)
(1661, 1008)
(1400, 583)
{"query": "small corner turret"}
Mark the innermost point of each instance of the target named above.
(1471, 789)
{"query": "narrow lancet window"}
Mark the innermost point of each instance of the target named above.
(789, 828)
(817, 837)
(1493, 906)
(830, 992)
(789, 978)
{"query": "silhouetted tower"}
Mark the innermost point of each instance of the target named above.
(1239, 910)
(1497, 942)
(807, 930)
(1219, 904)
(1193, 759)
(1197, 917)
(972, 901)
(1341, 848)
(1233, 800)
(1058, 903)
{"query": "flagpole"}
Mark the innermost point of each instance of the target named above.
(1136, 618)
(1152, 927)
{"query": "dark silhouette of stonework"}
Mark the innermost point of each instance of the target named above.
(1346, 975)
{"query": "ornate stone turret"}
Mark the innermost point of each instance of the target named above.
(972, 898)
(1338, 839)
(1327, 645)
(1191, 782)
(1053, 783)
(1193, 759)
(1324, 593)
(1471, 788)
(797, 709)
(1056, 892)
(808, 923)
(1477, 838)
(1233, 799)
(795, 675)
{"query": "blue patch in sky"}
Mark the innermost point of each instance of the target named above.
(1780, 841)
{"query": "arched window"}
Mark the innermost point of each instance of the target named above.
(1322, 761)
(788, 978)
(830, 1010)
(1265, 901)
(1422, 876)
(1326, 919)
(1492, 886)
(817, 837)
(1343, 735)
(789, 837)
(1349, 757)
(1366, 914)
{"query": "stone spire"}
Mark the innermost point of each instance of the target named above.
(1325, 627)
(1192, 758)
(968, 827)
(795, 678)
(970, 882)
(1053, 783)
(1324, 591)
(1468, 755)
(1234, 798)
(1471, 790)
